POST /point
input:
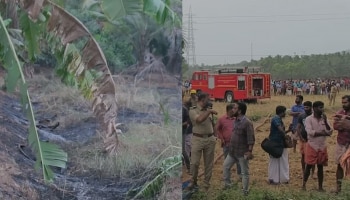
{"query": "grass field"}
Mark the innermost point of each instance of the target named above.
(259, 188)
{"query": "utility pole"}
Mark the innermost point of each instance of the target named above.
(191, 54)
(251, 52)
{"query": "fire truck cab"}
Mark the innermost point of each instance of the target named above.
(232, 84)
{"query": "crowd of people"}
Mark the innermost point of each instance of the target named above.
(235, 131)
(307, 87)
(186, 86)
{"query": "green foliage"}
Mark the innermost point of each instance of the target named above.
(7, 22)
(165, 112)
(184, 67)
(112, 38)
(168, 167)
(32, 32)
(116, 9)
(118, 52)
(279, 193)
(71, 70)
(298, 67)
(255, 118)
(138, 26)
(161, 11)
(47, 154)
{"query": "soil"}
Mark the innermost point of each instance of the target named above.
(19, 179)
(259, 164)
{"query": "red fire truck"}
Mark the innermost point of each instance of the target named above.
(233, 84)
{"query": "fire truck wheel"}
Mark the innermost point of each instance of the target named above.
(229, 97)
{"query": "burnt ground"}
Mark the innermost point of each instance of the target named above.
(19, 180)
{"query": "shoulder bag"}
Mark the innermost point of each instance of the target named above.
(273, 148)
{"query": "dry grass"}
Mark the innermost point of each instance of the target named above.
(144, 144)
(138, 98)
(259, 165)
(56, 98)
(143, 141)
(29, 192)
(172, 189)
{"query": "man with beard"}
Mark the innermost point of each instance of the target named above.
(303, 134)
(224, 129)
(241, 146)
(296, 110)
(318, 129)
(343, 138)
(203, 140)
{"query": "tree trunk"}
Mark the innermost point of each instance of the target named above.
(11, 9)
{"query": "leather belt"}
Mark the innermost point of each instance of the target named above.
(202, 135)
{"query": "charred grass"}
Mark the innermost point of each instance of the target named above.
(144, 145)
(55, 98)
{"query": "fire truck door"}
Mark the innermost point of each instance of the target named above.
(211, 82)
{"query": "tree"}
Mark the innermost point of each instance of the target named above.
(146, 36)
(69, 29)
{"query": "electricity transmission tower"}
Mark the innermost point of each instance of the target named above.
(191, 55)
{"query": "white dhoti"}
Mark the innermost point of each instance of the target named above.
(279, 168)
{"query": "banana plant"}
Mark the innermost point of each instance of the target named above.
(69, 29)
(114, 10)
(44, 13)
(47, 154)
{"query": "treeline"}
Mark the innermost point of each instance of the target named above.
(304, 67)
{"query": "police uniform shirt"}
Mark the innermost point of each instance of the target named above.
(193, 102)
(204, 127)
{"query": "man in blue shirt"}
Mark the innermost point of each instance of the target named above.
(296, 110)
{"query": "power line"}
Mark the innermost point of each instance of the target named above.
(273, 21)
(219, 55)
(244, 55)
(285, 15)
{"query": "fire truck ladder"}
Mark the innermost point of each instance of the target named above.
(250, 91)
(230, 71)
(268, 86)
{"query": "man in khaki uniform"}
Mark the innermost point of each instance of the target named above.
(333, 94)
(203, 140)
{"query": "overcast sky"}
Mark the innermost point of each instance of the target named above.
(230, 31)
